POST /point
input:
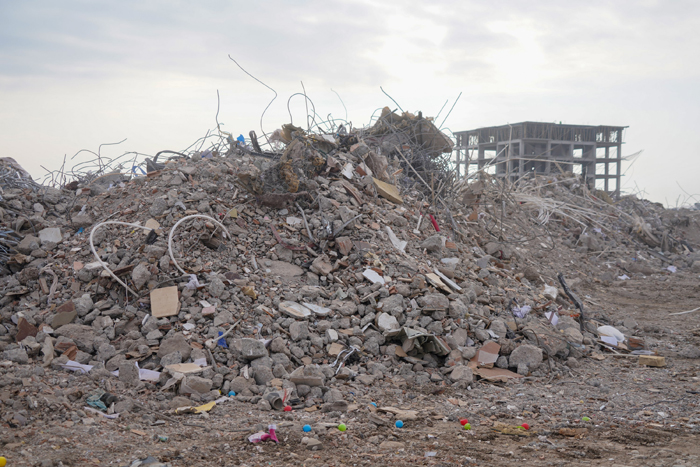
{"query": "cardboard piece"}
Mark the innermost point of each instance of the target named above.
(165, 302)
(185, 368)
(335, 349)
(482, 364)
(437, 282)
(388, 191)
(492, 374)
(151, 224)
(487, 355)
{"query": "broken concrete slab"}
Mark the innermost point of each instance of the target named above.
(284, 269)
(295, 310)
(176, 343)
(373, 276)
(307, 375)
(317, 309)
(386, 322)
(50, 235)
(61, 319)
(249, 349)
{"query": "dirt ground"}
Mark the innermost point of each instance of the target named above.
(638, 415)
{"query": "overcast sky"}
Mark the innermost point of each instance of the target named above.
(77, 74)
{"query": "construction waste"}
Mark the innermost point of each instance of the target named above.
(346, 256)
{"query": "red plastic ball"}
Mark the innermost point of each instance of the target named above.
(463, 421)
(287, 408)
(526, 426)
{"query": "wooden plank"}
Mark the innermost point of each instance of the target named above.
(388, 191)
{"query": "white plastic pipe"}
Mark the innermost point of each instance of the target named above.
(172, 231)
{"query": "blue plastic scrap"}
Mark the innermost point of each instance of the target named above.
(222, 341)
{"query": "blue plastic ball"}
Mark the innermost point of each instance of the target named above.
(399, 424)
(306, 428)
(231, 393)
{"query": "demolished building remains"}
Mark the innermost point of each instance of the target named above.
(305, 277)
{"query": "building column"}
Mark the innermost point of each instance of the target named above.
(619, 165)
(607, 169)
(521, 162)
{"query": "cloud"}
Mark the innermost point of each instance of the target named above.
(276, 40)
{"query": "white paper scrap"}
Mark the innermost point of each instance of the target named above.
(398, 244)
(554, 319)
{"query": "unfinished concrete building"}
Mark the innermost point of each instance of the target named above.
(519, 149)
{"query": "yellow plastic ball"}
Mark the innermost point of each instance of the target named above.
(3, 462)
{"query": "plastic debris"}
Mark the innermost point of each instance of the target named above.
(263, 436)
(222, 342)
(196, 410)
(434, 222)
(521, 311)
(610, 331)
(193, 282)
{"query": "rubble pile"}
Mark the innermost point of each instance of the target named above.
(279, 279)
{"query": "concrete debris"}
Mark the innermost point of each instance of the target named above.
(300, 272)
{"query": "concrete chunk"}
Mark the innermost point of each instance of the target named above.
(50, 235)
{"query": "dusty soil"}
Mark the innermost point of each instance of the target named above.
(638, 415)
